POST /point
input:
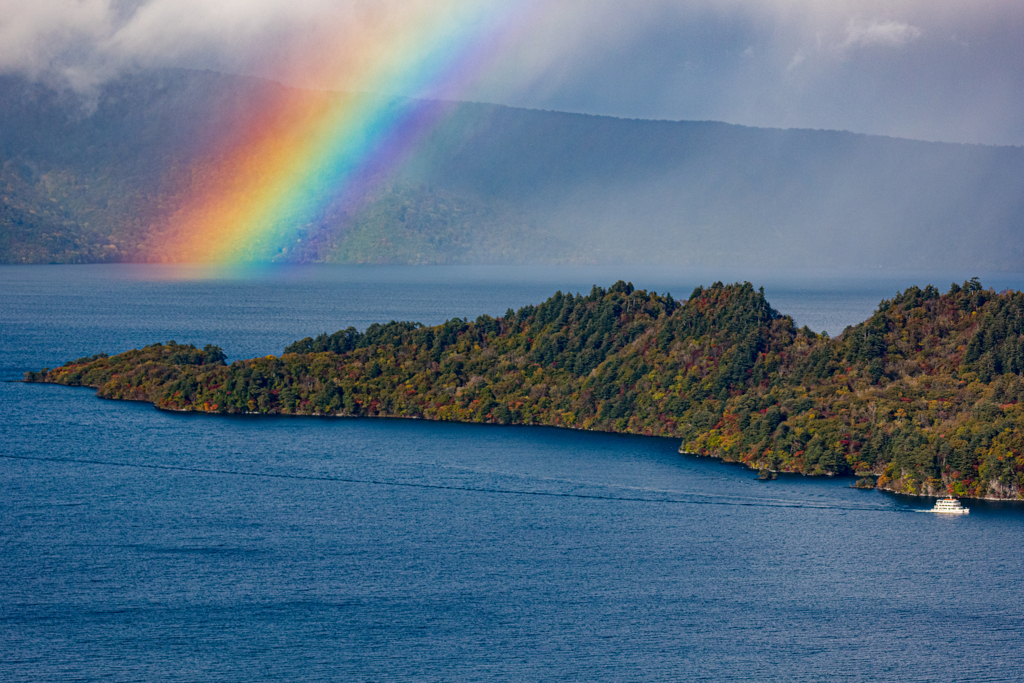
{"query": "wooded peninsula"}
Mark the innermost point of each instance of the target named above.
(924, 398)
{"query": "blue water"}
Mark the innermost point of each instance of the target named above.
(137, 545)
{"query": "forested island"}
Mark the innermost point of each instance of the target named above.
(924, 398)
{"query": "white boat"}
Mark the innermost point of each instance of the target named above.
(949, 506)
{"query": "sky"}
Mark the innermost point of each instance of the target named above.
(949, 70)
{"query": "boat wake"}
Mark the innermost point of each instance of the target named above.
(698, 499)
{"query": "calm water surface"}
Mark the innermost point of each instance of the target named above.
(137, 545)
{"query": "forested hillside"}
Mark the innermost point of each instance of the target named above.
(924, 397)
(100, 181)
(83, 183)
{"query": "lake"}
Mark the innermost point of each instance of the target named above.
(139, 545)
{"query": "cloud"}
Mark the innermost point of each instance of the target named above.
(858, 35)
(36, 37)
(903, 67)
(85, 42)
(885, 33)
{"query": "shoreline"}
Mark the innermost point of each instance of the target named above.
(680, 451)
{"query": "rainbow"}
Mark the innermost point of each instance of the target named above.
(309, 150)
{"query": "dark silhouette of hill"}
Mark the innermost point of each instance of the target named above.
(85, 182)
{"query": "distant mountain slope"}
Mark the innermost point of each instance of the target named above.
(499, 184)
(696, 191)
(79, 186)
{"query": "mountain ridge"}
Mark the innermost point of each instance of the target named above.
(497, 184)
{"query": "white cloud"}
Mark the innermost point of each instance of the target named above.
(85, 42)
(857, 35)
(883, 33)
(37, 36)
